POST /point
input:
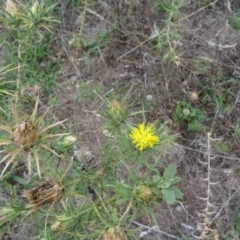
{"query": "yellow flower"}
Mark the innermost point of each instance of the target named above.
(143, 136)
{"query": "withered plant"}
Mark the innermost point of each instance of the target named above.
(46, 192)
(26, 138)
(208, 232)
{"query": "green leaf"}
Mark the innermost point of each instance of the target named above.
(170, 171)
(178, 193)
(168, 195)
(155, 190)
(175, 180)
(156, 178)
(19, 180)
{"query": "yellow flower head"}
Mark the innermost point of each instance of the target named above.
(143, 136)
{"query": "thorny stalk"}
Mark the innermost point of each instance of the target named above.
(207, 212)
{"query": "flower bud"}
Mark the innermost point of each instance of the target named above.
(58, 226)
(116, 111)
(6, 213)
(144, 193)
(114, 233)
(11, 8)
(35, 8)
(61, 222)
(64, 143)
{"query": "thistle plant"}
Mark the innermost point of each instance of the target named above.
(99, 203)
(26, 30)
(29, 16)
(168, 36)
(26, 138)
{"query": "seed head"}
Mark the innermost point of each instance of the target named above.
(144, 193)
(44, 193)
(193, 96)
(114, 233)
(64, 143)
(24, 133)
(186, 112)
(177, 60)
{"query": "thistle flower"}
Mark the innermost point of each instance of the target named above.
(48, 192)
(144, 193)
(143, 136)
(114, 233)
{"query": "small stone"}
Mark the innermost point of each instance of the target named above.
(179, 208)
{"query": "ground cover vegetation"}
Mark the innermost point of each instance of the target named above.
(119, 119)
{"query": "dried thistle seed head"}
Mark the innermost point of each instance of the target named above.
(44, 193)
(144, 193)
(114, 233)
(177, 60)
(11, 8)
(24, 133)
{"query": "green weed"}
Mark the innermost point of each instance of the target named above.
(222, 146)
(86, 91)
(169, 33)
(234, 20)
(219, 94)
(185, 113)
